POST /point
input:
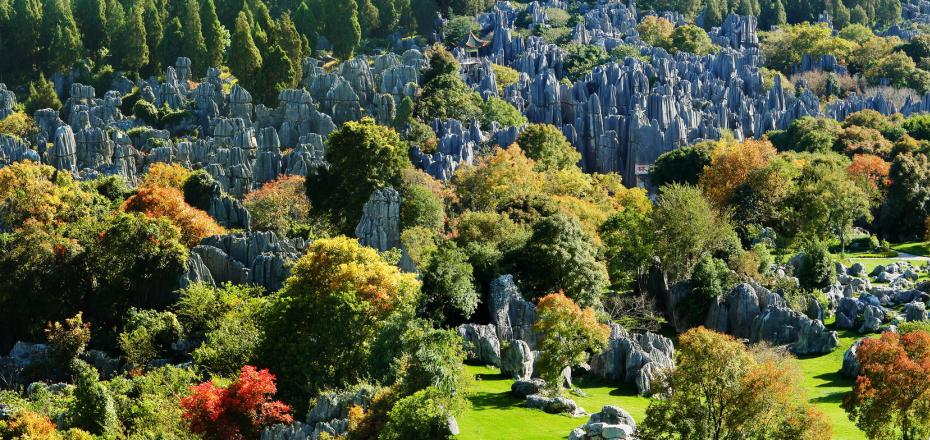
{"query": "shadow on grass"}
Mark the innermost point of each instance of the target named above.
(834, 379)
(483, 401)
(836, 397)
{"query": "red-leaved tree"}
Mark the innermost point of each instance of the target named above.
(237, 412)
(891, 398)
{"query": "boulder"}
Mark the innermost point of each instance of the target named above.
(513, 315)
(856, 270)
(915, 311)
(554, 405)
(781, 325)
(610, 423)
(523, 388)
(872, 317)
(518, 360)
(634, 358)
(481, 343)
(850, 361)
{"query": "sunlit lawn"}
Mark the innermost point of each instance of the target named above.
(496, 414)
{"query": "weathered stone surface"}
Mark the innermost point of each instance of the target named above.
(915, 311)
(554, 405)
(513, 315)
(481, 343)
(781, 325)
(518, 360)
(610, 423)
(634, 358)
(525, 387)
(379, 227)
(850, 361)
(250, 257)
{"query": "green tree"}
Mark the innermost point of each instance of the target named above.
(497, 110)
(130, 46)
(276, 74)
(420, 207)
(245, 61)
(444, 94)
(681, 165)
(655, 31)
(25, 29)
(321, 325)
(41, 95)
(148, 335)
(629, 244)
(363, 157)
(425, 14)
(692, 39)
(449, 294)
(92, 409)
(91, 18)
(154, 32)
(216, 37)
(569, 333)
(907, 203)
(61, 37)
(388, 15)
(307, 22)
(341, 26)
(720, 389)
(688, 227)
(816, 268)
(559, 256)
(171, 45)
(369, 18)
(548, 147)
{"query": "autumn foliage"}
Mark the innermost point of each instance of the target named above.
(164, 202)
(239, 411)
(569, 333)
(166, 175)
(892, 393)
(871, 170)
(730, 166)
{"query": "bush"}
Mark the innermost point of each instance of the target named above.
(20, 125)
(41, 95)
(68, 340)
(500, 111)
(93, 409)
(168, 203)
(421, 416)
(148, 404)
(166, 176)
(816, 268)
(146, 111)
(548, 147)
(149, 334)
(582, 58)
(449, 294)
(504, 76)
(198, 189)
(279, 206)
(420, 207)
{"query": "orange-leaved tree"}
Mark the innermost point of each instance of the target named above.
(730, 166)
(891, 399)
(168, 203)
(239, 411)
(569, 333)
(166, 175)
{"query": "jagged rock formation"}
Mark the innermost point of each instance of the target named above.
(481, 343)
(512, 315)
(752, 312)
(379, 227)
(7, 101)
(634, 358)
(610, 423)
(247, 258)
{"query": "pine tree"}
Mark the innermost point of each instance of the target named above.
(215, 36)
(307, 23)
(131, 47)
(342, 27)
(404, 113)
(287, 37)
(276, 74)
(858, 15)
(840, 15)
(41, 95)
(91, 17)
(713, 13)
(745, 8)
(172, 43)
(244, 58)
(778, 14)
(62, 39)
(25, 31)
(193, 44)
(154, 32)
(368, 17)
(387, 16)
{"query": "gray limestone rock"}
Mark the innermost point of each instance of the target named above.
(634, 358)
(610, 423)
(517, 359)
(780, 325)
(554, 405)
(513, 315)
(379, 227)
(850, 361)
(526, 387)
(481, 343)
(915, 311)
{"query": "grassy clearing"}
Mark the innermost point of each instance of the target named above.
(495, 414)
(920, 248)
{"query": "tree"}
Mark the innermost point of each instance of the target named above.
(890, 397)
(420, 416)
(682, 165)
(388, 16)
(61, 37)
(449, 294)
(91, 18)
(154, 33)
(41, 95)
(92, 409)
(545, 144)
(816, 268)
(559, 256)
(369, 19)
(784, 46)
(130, 45)
(421, 207)
(719, 389)
(341, 26)
(244, 59)
(25, 29)
(216, 37)
(279, 206)
(425, 14)
(687, 228)
(692, 39)
(363, 157)
(168, 203)
(277, 73)
(171, 45)
(238, 411)
(655, 31)
(582, 58)
(908, 200)
(496, 110)
(67, 340)
(730, 166)
(149, 334)
(629, 244)
(811, 134)
(444, 94)
(307, 23)
(569, 333)
(320, 326)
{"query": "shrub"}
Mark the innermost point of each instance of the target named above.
(29, 425)
(420, 207)
(816, 269)
(239, 411)
(68, 340)
(20, 125)
(168, 203)
(582, 58)
(148, 404)
(421, 416)
(199, 188)
(41, 95)
(166, 176)
(546, 145)
(279, 206)
(93, 408)
(149, 334)
(146, 111)
(449, 294)
(504, 76)
(497, 110)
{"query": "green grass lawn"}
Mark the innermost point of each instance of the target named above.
(495, 414)
(916, 248)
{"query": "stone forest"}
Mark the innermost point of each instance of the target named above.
(469, 219)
